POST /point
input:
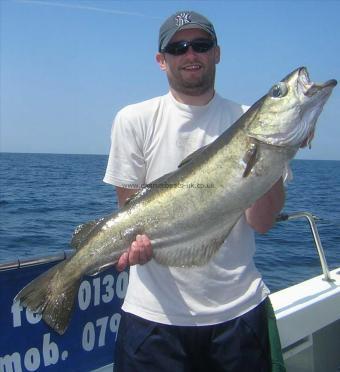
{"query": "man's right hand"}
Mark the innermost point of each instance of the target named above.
(140, 252)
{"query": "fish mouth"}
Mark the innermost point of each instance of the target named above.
(309, 88)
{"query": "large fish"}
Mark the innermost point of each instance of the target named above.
(188, 213)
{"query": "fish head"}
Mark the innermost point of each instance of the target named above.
(287, 115)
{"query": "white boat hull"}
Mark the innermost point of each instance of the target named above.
(308, 319)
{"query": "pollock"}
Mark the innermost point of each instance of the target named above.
(187, 225)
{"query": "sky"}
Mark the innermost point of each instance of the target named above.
(68, 66)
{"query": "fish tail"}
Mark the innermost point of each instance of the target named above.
(52, 295)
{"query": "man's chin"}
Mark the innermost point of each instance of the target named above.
(194, 91)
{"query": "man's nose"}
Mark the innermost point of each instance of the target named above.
(191, 51)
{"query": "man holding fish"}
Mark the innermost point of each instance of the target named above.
(208, 172)
(209, 317)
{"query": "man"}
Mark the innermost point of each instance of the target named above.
(188, 319)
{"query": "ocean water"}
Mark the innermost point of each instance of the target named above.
(43, 197)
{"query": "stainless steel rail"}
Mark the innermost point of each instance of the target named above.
(17, 264)
(281, 217)
(311, 219)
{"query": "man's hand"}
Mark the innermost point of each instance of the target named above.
(140, 252)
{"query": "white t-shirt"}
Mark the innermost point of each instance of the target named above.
(150, 139)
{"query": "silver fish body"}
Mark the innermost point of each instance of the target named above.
(187, 214)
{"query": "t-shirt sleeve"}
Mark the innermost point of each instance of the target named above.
(126, 164)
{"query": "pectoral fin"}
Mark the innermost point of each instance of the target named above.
(250, 159)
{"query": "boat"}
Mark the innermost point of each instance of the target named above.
(307, 315)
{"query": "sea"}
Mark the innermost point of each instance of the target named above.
(44, 197)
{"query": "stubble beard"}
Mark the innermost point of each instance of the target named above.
(192, 87)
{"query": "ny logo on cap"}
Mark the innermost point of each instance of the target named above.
(182, 19)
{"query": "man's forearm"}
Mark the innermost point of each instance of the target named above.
(123, 194)
(262, 214)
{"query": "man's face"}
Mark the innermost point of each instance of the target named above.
(191, 73)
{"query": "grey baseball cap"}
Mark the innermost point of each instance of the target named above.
(183, 20)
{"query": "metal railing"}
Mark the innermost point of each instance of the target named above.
(281, 217)
(311, 219)
(17, 264)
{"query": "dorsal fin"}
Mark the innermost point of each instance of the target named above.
(82, 233)
(159, 181)
(192, 156)
(132, 197)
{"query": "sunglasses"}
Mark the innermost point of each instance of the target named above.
(181, 47)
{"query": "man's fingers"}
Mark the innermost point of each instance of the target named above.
(123, 261)
(147, 252)
(134, 253)
(140, 252)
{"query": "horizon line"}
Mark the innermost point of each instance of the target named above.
(90, 154)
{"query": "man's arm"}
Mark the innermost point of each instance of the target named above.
(262, 214)
(140, 251)
(123, 194)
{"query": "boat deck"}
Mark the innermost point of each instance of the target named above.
(308, 319)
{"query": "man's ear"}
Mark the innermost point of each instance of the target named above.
(217, 54)
(160, 58)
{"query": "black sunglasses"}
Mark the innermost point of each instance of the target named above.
(181, 47)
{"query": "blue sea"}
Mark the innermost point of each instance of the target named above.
(43, 197)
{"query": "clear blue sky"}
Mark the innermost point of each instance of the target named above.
(67, 66)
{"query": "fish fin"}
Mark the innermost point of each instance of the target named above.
(135, 196)
(192, 156)
(83, 232)
(131, 198)
(98, 270)
(161, 180)
(250, 159)
(52, 296)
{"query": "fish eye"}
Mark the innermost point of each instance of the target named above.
(279, 90)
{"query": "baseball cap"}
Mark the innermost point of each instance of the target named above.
(183, 20)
